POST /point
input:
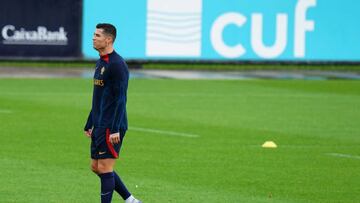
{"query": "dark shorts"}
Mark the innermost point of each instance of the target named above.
(101, 148)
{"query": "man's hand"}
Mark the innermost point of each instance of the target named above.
(114, 138)
(88, 133)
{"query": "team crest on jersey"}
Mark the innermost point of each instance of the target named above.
(102, 70)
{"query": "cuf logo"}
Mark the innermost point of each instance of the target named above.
(174, 29)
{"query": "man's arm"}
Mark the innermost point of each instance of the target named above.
(89, 125)
(120, 79)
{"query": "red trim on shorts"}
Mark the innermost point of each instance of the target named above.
(110, 146)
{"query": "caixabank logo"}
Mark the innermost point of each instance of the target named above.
(41, 35)
(50, 29)
(176, 29)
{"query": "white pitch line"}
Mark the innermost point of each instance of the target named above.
(344, 155)
(163, 132)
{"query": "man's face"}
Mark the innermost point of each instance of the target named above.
(100, 40)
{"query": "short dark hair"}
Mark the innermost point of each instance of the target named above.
(108, 29)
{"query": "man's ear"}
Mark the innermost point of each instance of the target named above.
(108, 40)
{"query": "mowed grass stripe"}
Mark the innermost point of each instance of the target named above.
(44, 150)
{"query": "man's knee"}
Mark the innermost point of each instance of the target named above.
(105, 166)
(94, 167)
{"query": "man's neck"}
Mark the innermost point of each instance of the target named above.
(105, 51)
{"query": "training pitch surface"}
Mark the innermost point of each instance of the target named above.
(189, 141)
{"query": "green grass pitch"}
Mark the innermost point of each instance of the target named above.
(190, 141)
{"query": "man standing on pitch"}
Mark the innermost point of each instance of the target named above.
(107, 121)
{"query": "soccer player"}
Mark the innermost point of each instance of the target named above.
(107, 121)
